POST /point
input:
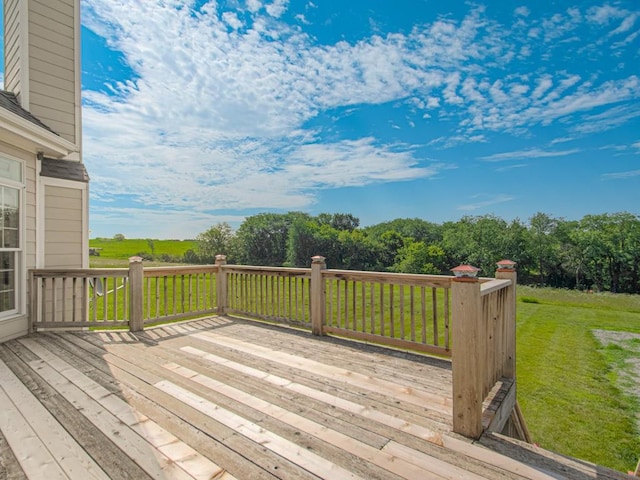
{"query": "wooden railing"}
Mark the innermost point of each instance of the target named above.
(174, 293)
(119, 297)
(274, 294)
(64, 299)
(407, 311)
(471, 320)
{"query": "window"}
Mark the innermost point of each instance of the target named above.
(11, 182)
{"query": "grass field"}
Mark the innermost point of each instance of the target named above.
(569, 384)
(115, 253)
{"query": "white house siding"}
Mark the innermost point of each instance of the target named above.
(42, 55)
(52, 57)
(63, 246)
(12, 38)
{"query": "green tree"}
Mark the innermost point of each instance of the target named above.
(481, 241)
(307, 238)
(152, 246)
(418, 257)
(262, 239)
(613, 242)
(414, 228)
(543, 244)
(215, 241)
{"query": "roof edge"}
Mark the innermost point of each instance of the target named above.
(42, 139)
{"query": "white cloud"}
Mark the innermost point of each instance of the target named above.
(254, 5)
(489, 200)
(608, 119)
(529, 153)
(277, 8)
(626, 25)
(621, 175)
(217, 116)
(604, 14)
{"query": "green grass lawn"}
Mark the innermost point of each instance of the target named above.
(567, 381)
(123, 249)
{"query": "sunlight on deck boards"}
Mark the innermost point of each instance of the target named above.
(223, 398)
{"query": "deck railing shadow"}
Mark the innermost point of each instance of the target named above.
(467, 319)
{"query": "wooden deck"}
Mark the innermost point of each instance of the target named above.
(223, 398)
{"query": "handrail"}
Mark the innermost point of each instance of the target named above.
(493, 286)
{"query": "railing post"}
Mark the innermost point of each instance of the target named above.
(136, 292)
(33, 302)
(467, 356)
(317, 295)
(506, 270)
(221, 284)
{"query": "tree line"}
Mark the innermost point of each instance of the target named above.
(599, 252)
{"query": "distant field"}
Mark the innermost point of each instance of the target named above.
(115, 253)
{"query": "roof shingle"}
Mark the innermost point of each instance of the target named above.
(10, 102)
(64, 169)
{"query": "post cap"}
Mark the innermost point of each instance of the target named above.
(135, 259)
(317, 259)
(506, 265)
(465, 271)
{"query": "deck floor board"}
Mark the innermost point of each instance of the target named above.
(226, 398)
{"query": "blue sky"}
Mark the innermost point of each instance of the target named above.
(200, 112)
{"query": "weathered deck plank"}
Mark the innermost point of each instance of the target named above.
(223, 398)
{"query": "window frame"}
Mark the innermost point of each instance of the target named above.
(18, 252)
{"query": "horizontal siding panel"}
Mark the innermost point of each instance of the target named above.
(42, 43)
(12, 63)
(11, 7)
(11, 27)
(31, 256)
(46, 23)
(65, 7)
(62, 17)
(60, 214)
(55, 38)
(36, 97)
(54, 71)
(63, 249)
(12, 47)
(63, 261)
(64, 226)
(62, 192)
(54, 119)
(11, 80)
(62, 62)
(45, 112)
(56, 88)
(12, 17)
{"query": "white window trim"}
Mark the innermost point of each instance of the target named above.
(20, 270)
